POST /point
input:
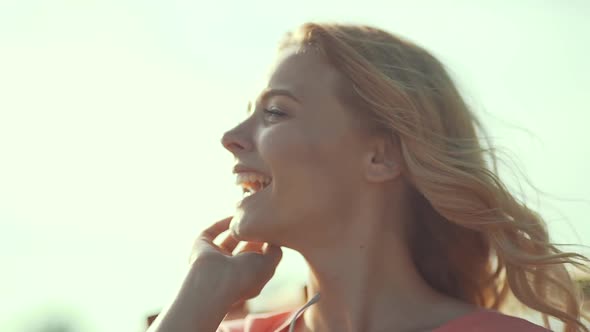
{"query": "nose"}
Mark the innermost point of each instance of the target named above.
(235, 142)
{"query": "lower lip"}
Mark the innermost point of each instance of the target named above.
(249, 198)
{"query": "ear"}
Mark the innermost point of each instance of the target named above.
(382, 162)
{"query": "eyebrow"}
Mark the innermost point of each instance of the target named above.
(268, 93)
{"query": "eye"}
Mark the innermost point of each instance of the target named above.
(273, 112)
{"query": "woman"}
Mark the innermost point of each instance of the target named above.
(361, 155)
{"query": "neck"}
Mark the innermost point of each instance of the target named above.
(366, 280)
(364, 291)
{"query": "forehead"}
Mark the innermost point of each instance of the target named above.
(307, 74)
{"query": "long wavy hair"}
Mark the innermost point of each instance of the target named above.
(474, 240)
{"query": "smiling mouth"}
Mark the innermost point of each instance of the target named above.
(252, 183)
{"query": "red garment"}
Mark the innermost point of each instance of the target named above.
(479, 321)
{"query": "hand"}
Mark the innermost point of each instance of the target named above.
(240, 269)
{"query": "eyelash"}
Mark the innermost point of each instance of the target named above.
(273, 111)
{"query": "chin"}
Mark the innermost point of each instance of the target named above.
(245, 227)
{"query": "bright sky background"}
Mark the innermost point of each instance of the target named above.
(111, 114)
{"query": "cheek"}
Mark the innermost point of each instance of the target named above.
(292, 157)
(294, 154)
(311, 170)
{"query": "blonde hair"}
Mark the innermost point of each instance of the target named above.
(477, 242)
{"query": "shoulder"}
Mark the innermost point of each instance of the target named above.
(490, 321)
(256, 322)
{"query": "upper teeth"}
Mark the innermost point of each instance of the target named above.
(252, 182)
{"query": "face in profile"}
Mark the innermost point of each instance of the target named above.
(300, 152)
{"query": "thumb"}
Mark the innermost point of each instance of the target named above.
(266, 260)
(273, 253)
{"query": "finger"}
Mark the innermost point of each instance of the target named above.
(273, 252)
(249, 247)
(217, 228)
(229, 243)
(265, 263)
